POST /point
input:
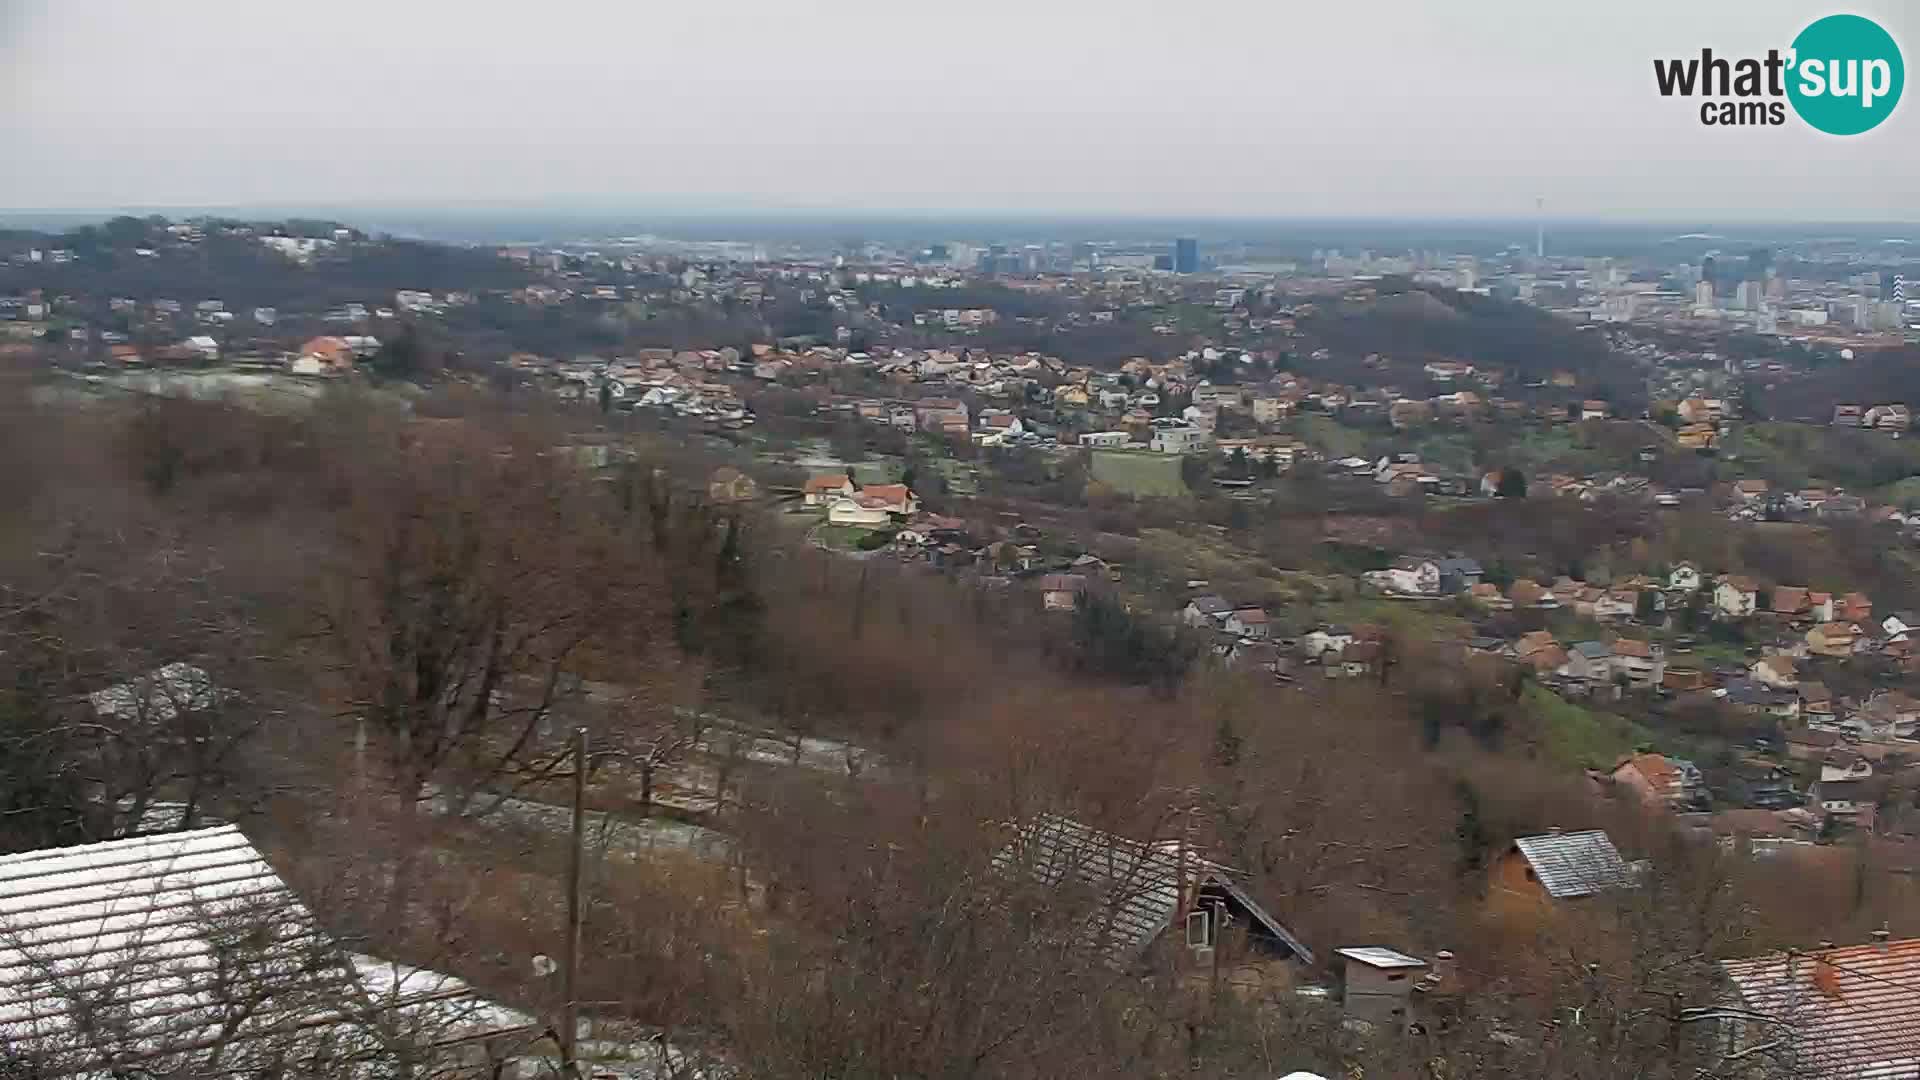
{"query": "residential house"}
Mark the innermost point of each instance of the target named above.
(1697, 437)
(1457, 574)
(1754, 698)
(1816, 702)
(1684, 577)
(897, 498)
(1205, 612)
(1527, 593)
(1824, 1014)
(947, 416)
(1659, 781)
(1854, 608)
(1153, 904)
(1736, 597)
(1487, 595)
(1559, 866)
(1590, 662)
(192, 940)
(1061, 592)
(859, 510)
(1811, 744)
(730, 485)
(1317, 642)
(1000, 425)
(1271, 410)
(1844, 801)
(1788, 601)
(1698, 410)
(1613, 604)
(1595, 410)
(1777, 671)
(1182, 439)
(1681, 678)
(1642, 663)
(1837, 639)
(1893, 417)
(326, 355)
(1247, 622)
(1358, 659)
(1414, 576)
(1840, 764)
(1893, 712)
(825, 489)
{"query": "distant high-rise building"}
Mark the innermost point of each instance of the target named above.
(1703, 294)
(1759, 261)
(1746, 296)
(1186, 255)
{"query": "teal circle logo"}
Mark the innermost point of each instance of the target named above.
(1846, 76)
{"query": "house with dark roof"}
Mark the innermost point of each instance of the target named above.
(1589, 661)
(1753, 697)
(1142, 903)
(1457, 575)
(1205, 612)
(1559, 866)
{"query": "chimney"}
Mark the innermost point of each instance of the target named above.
(1554, 830)
(1880, 937)
(1442, 968)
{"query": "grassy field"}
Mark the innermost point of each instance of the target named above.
(841, 537)
(1328, 435)
(1578, 737)
(1139, 473)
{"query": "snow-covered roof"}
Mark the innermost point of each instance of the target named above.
(158, 695)
(158, 951)
(134, 931)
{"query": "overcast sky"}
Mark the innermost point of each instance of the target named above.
(1352, 108)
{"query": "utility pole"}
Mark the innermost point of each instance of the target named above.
(570, 958)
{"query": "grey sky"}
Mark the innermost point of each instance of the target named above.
(1265, 107)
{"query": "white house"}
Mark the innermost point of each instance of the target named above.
(1105, 439)
(1684, 577)
(1326, 639)
(1419, 577)
(1735, 597)
(854, 510)
(1179, 440)
(205, 347)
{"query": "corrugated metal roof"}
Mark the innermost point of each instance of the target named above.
(1851, 1012)
(1137, 884)
(156, 950)
(152, 945)
(1376, 956)
(1575, 863)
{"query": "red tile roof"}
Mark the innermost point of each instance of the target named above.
(1852, 1011)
